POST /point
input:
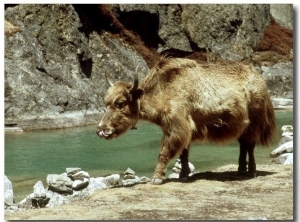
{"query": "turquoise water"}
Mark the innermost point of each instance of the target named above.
(30, 156)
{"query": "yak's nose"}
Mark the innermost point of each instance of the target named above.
(106, 133)
(98, 131)
(101, 133)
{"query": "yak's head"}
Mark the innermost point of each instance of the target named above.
(122, 108)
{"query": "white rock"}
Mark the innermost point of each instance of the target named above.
(72, 170)
(8, 192)
(287, 128)
(56, 199)
(39, 190)
(258, 218)
(80, 183)
(284, 148)
(26, 202)
(177, 168)
(282, 102)
(285, 159)
(285, 139)
(95, 184)
(144, 179)
(111, 180)
(173, 176)
(289, 160)
(59, 183)
(287, 134)
(80, 174)
(130, 182)
(128, 176)
(129, 171)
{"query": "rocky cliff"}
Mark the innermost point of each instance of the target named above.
(56, 56)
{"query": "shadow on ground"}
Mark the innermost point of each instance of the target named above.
(221, 176)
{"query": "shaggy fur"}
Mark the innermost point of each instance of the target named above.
(189, 101)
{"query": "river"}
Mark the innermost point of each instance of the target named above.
(30, 156)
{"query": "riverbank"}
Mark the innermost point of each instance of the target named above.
(218, 195)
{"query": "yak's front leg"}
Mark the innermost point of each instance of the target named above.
(170, 146)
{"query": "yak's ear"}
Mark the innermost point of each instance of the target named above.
(137, 93)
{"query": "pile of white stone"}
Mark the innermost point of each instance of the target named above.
(283, 154)
(65, 187)
(73, 184)
(177, 169)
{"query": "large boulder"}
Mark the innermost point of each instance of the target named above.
(283, 14)
(47, 68)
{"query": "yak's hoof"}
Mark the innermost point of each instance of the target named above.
(247, 174)
(251, 174)
(184, 179)
(157, 181)
(243, 173)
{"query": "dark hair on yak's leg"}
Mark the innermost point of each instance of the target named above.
(185, 169)
(247, 147)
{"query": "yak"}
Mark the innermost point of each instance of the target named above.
(192, 101)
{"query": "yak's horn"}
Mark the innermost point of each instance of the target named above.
(136, 78)
(108, 81)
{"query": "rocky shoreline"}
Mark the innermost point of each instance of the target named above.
(217, 195)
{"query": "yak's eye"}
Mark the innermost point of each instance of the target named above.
(120, 104)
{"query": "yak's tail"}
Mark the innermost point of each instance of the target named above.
(269, 126)
(262, 128)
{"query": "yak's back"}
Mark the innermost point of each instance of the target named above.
(166, 71)
(186, 74)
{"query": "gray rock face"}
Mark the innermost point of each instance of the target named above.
(54, 73)
(46, 67)
(227, 30)
(279, 78)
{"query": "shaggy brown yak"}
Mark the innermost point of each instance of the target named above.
(189, 101)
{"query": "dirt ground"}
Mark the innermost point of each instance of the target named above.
(216, 195)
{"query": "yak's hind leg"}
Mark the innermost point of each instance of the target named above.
(185, 169)
(247, 147)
